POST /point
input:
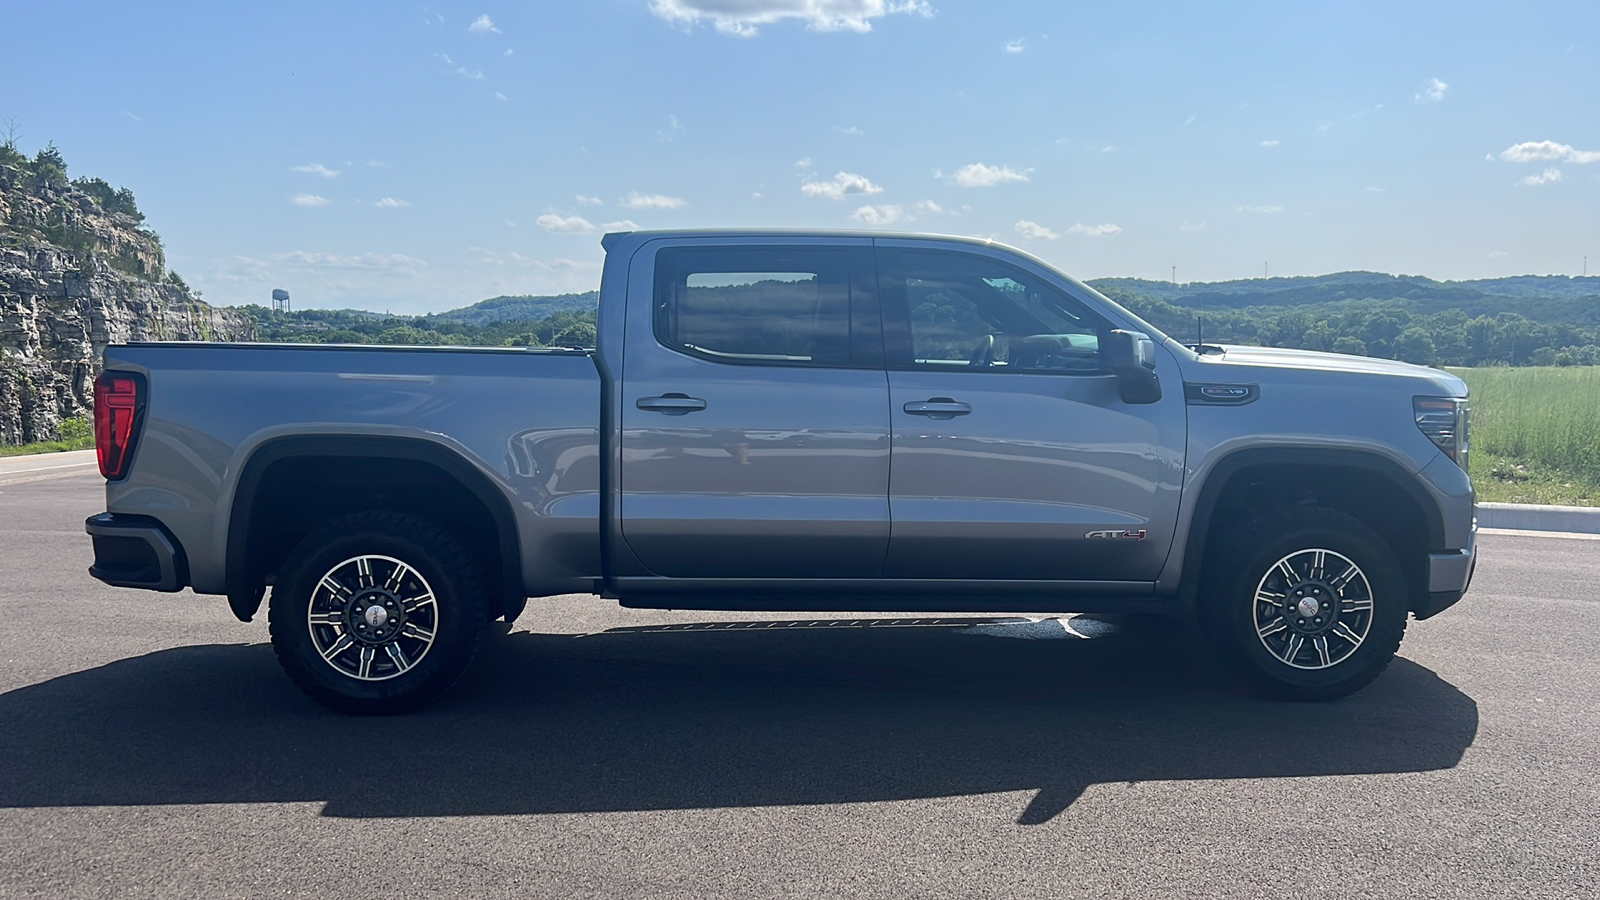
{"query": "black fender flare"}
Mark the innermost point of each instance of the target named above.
(1217, 479)
(245, 590)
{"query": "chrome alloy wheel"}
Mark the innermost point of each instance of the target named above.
(372, 618)
(1313, 609)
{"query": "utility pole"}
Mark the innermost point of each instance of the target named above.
(1175, 270)
(1264, 270)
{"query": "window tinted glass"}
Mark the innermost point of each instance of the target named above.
(967, 311)
(787, 307)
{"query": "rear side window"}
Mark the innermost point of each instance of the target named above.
(774, 306)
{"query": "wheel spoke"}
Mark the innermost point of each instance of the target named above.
(1291, 577)
(1321, 643)
(413, 630)
(345, 642)
(1271, 598)
(334, 617)
(1339, 582)
(396, 578)
(1272, 628)
(364, 571)
(1343, 631)
(367, 654)
(1319, 563)
(397, 657)
(1354, 604)
(415, 603)
(1292, 649)
(339, 591)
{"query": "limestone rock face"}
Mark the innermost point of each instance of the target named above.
(59, 308)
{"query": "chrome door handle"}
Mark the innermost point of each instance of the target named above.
(938, 408)
(671, 404)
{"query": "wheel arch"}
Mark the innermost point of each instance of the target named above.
(472, 503)
(1358, 483)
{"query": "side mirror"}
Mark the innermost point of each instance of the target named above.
(1131, 356)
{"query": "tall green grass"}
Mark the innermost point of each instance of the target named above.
(1537, 429)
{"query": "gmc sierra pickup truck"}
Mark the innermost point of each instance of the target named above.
(792, 421)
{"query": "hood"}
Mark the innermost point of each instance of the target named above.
(1278, 358)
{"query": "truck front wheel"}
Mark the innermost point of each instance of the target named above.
(1307, 602)
(377, 612)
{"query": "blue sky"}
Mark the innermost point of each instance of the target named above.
(421, 157)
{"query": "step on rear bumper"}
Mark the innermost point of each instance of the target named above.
(137, 552)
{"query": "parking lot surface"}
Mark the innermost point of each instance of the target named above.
(150, 747)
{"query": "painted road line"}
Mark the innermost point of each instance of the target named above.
(1523, 532)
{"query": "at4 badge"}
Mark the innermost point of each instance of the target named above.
(1116, 534)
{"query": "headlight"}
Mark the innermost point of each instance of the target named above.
(1445, 421)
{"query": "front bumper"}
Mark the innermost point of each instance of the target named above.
(136, 551)
(1449, 574)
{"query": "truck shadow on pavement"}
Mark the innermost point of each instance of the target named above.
(688, 717)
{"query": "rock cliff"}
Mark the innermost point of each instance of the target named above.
(74, 277)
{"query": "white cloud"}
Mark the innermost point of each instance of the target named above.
(1374, 190)
(887, 214)
(509, 52)
(309, 200)
(474, 74)
(1269, 143)
(742, 17)
(840, 186)
(620, 225)
(500, 96)
(1034, 230)
(565, 224)
(891, 213)
(1014, 46)
(1532, 151)
(391, 203)
(1432, 91)
(1192, 226)
(132, 116)
(980, 175)
(1497, 254)
(1268, 210)
(1548, 176)
(316, 169)
(636, 200)
(803, 163)
(589, 201)
(852, 131)
(1094, 230)
(482, 25)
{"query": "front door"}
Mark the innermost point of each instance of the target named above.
(1014, 456)
(755, 426)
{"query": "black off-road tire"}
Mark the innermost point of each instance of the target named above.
(432, 610)
(1253, 562)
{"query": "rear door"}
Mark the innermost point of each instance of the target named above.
(755, 426)
(1014, 454)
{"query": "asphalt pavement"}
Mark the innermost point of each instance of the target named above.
(150, 747)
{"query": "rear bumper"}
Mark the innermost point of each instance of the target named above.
(1449, 574)
(136, 551)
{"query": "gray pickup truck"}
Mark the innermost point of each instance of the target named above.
(792, 421)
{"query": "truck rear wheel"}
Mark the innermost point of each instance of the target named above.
(377, 612)
(1307, 602)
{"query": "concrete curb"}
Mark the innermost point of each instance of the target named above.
(1533, 517)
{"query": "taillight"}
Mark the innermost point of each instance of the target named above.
(116, 407)
(1445, 421)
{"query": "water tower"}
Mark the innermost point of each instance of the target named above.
(280, 300)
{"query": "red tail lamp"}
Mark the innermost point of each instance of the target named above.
(116, 412)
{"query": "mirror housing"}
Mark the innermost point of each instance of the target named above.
(1131, 356)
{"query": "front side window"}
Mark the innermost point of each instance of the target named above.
(775, 306)
(964, 311)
